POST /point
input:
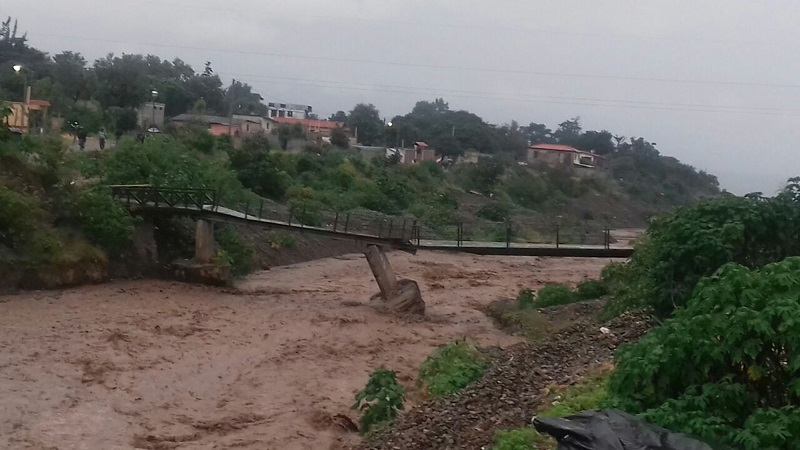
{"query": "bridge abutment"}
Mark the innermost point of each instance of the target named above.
(144, 239)
(204, 241)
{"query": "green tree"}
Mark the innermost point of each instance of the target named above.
(727, 367)
(568, 132)
(365, 122)
(339, 138)
(338, 116)
(695, 241)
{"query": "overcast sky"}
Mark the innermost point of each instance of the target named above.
(714, 82)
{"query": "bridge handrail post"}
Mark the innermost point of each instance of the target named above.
(459, 234)
(260, 208)
(380, 227)
(391, 224)
(291, 213)
(335, 221)
(415, 233)
(403, 231)
(246, 208)
(558, 236)
(346, 222)
(508, 234)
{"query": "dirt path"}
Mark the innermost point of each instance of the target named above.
(162, 365)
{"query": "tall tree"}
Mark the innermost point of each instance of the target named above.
(338, 116)
(569, 131)
(365, 121)
(241, 98)
(538, 133)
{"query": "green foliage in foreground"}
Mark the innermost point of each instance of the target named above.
(380, 400)
(696, 241)
(103, 219)
(727, 367)
(516, 439)
(591, 289)
(451, 368)
(235, 250)
(554, 295)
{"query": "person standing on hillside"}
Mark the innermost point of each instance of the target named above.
(101, 136)
(82, 138)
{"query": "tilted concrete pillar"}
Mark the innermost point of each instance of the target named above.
(204, 241)
(382, 270)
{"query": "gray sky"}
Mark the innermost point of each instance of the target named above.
(713, 83)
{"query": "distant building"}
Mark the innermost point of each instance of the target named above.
(421, 152)
(219, 126)
(559, 154)
(288, 110)
(27, 115)
(313, 128)
(151, 114)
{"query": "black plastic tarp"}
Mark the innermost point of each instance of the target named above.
(612, 430)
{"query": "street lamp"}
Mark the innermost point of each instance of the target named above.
(154, 94)
(396, 134)
(18, 68)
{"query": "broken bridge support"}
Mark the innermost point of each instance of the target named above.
(401, 296)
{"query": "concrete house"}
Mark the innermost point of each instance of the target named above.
(559, 154)
(312, 127)
(219, 126)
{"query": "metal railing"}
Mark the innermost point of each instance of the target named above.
(362, 223)
(165, 197)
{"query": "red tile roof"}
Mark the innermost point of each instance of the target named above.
(555, 148)
(42, 103)
(310, 123)
(421, 144)
(562, 148)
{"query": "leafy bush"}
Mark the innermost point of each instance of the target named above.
(19, 216)
(591, 289)
(380, 400)
(237, 252)
(280, 241)
(496, 212)
(103, 219)
(727, 367)
(451, 368)
(526, 298)
(516, 439)
(554, 295)
(696, 241)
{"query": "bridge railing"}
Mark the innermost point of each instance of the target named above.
(362, 223)
(508, 233)
(164, 197)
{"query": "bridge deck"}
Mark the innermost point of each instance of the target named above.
(200, 203)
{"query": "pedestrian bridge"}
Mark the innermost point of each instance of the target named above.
(402, 233)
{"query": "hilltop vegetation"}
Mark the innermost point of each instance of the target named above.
(64, 204)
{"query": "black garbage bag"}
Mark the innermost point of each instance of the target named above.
(612, 430)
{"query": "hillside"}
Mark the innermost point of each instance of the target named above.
(57, 216)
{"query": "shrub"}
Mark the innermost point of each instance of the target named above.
(591, 289)
(237, 252)
(727, 367)
(526, 298)
(380, 400)
(516, 439)
(496, 212)
(554, 295)
(280, 241)
(103, 219)
(451, 368)
(696, 241)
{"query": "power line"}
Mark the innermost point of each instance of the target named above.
(435, 66)
(437, 90)
(438, 25)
